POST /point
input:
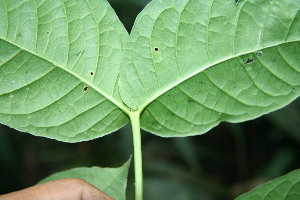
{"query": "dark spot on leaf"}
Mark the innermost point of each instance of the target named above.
(259, 54)
(156, 49)
(249, 61)
(48, 32)
(236, 1)
(85, 88)
(92, 73)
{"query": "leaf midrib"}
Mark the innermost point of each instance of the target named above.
(176, 83)
(121, 106)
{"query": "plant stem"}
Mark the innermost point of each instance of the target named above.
(138, 170)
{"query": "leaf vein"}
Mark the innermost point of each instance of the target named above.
(292, 21)
(10, 58)
(77, 115)
(198, 102)
(180, 117)
(253, 80)
(6, 21)
(273, 74)
(103, 93)
(207, 32)
(236, 25)
(98, 60)
(93, 125)
(176, 40)
(227, 94)
(156, 95)
(285, 59)
(161, 124)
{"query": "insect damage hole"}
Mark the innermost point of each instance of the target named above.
(91, 73)
(156, 49)
(85, 89)
(249, 61)
(259, 54)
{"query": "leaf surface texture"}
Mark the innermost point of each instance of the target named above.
(285, 187)
(112, 181)
(187, 66)
(59, 68)
(191, 64)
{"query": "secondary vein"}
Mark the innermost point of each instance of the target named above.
(88, 83)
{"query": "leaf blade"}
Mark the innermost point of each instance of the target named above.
(112, 181)
(284, 187)
(63, 52)
(185, 47)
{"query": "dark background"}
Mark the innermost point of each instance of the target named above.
(228, 160)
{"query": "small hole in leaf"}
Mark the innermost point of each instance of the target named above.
(91, 73)
(48, 32)
(85, 88)
(236, 1)
(259, 54)
(249, 61)
(156, 49)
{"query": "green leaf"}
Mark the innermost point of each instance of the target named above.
(285, 187)
(192, 64)
(59, 68)
(112, 181)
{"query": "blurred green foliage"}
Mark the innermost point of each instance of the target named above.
(227, 161)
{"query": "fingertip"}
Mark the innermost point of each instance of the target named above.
(87, 190)
(90, 192)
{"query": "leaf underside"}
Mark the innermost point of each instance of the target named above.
(285, 187)
(111, 181)
(191, 64)
(187, 65)
(59, 66)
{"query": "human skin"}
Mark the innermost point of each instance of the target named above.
(64, 189)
